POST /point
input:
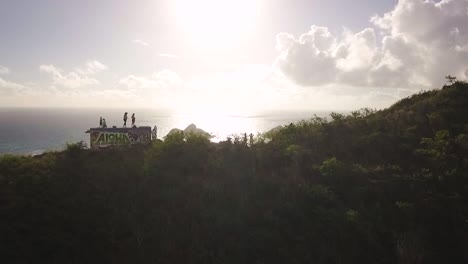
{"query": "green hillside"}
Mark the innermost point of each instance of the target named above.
(386, 186)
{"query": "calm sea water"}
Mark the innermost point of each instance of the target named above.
(33, 131)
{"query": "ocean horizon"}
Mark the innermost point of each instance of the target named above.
(32, 131)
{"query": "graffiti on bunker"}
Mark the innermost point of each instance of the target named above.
(108, 137)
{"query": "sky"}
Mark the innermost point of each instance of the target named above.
(236, 57)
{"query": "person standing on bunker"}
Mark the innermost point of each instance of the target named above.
(125, 119)
(155, 133)
(133, 119)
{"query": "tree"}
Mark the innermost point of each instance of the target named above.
(451, 79)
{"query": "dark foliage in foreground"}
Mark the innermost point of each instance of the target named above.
(371, 187)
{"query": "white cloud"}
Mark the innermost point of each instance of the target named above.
(419, 43)
(159, 88)
(245, 89)
(305, 62)
(141, 42)
(158, 80)
(430, 36)
(359, 51)
(92, 67)
(11, 88)
(4, 70)
(80, 77)
(168, 55)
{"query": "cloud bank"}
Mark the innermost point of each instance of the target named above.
(8, 88)
(4, 70)
(141, 42)
(80, 77)
(160, 88)
(413, 46)
(168, 55)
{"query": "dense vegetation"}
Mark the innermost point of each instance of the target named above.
(372, 187)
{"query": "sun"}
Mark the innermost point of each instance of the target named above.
(216, 23)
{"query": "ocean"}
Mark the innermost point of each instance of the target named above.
(32, 131)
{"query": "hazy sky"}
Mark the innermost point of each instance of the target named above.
(232, 56)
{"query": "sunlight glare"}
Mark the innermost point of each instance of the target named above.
(215, 23)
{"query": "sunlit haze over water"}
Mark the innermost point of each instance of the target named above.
(33, 131)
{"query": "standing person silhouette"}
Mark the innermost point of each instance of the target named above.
(155, 133)
(100, 121)
(125, 119)
(133, 119)
(104, 125)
